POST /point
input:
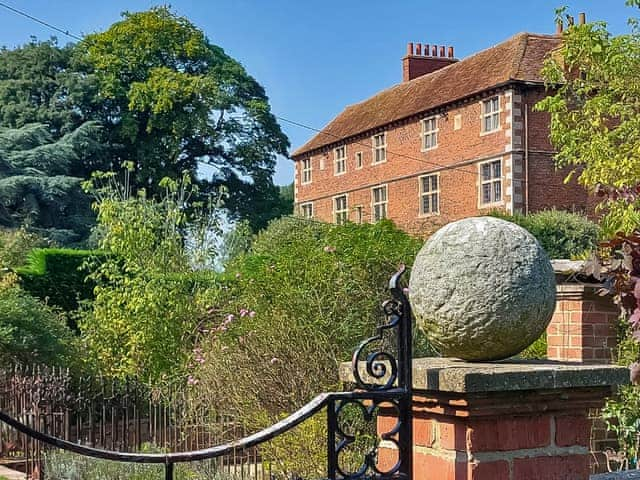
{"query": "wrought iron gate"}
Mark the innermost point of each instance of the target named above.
(382, 376)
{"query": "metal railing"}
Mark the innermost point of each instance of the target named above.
(381, 377)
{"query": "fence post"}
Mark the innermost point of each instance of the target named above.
(168, 471)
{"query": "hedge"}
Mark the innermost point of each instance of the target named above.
(56, 276)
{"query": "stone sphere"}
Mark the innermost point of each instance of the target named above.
(482, 289)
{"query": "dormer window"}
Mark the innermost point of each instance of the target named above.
(491, 114)
(340, 160)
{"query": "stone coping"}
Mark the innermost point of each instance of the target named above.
(624, 475)
(458, 376)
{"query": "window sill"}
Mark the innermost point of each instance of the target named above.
(427, 215)
(499, 129)
(484, 206)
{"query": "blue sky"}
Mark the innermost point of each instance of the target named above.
(316, 57)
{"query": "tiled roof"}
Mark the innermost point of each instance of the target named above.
(519, 58)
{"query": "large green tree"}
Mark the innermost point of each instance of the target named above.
(595, 113)
(168, 101)
(179, 103)
(37, 185)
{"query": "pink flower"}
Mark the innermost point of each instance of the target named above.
(274, 360)
(252, 314)
(191, 380)
(244, 312)
(229, 318)
(329, 249)
(405, 289)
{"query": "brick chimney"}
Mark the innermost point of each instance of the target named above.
(419, 62)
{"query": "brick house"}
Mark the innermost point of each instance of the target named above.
(455, 139)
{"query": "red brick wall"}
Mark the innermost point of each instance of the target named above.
(456, 158)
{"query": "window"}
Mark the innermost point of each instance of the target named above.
(322, 163)
(430, 194)
(429, 133)
(306, 210)
(340, 159)
(340, 209)
(491, 182)
(491, 114)
(380, 148)
(306, 171)
(358, 159)
(379, 202)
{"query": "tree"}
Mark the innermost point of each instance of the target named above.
(179, 103)
(37, 185)
(595, 114)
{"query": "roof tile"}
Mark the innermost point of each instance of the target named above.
(519, 58)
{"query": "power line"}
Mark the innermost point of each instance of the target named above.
(391, 152)
(292, 122)
(41, 22)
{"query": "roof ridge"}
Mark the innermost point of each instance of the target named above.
(515, 59)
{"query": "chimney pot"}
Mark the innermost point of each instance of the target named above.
(423, 58)
(559, 27)
(570, 21)
(582, 18)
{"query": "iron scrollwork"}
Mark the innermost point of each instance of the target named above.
(386, 386)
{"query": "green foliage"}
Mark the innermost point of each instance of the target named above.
(561, 234)
(57, 276)
(37, 186)
(537, 350)
(15, 246)
(145, 311)
(179, 103)
(595, 110)
(40, 84)
(289, 312)
(31, 332)
(63, 465)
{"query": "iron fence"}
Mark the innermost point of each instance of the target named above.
(382, 379)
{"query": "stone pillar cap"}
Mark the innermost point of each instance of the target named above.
(458, 376)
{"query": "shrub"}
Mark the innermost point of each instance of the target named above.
(57, 276)
(31, 332)
(562, 234)
(290, 310)
(145, 312)
(16, 244)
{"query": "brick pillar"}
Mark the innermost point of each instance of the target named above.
(583, 327)
(502, 421)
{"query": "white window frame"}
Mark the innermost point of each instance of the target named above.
(340, 159)
(304, 206)
(429, 133)
(375, 217)
(359, 160)
(490, 113)
(341, 215)
(430, 193)
(492, 181)
(307, 171)
(379, 149)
